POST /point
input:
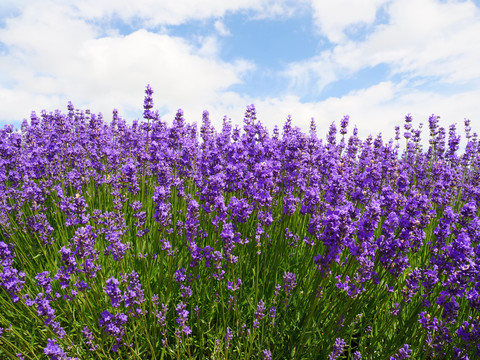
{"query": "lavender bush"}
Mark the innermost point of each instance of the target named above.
(150, 241)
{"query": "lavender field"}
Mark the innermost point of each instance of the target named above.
(150, 241)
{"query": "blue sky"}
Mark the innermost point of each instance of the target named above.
(376, 60)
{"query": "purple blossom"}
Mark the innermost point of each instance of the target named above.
(12, 281)
(148, 104)
(228, 337)
(54, 351)
(75, 208)
(267, 355)
(192, 220)
(134, 295)
(58, 329)
(180, 275)
(116, 248)
(38, 224)
(395, 309)
(89, 339)
(273, 313)
(183, 318)
(259, 314)
(83, 245)
(114, 326)
(43, 307)
(370, 210)
(234, 287)
(289, 282)
(162, 320)
(344, 124)
(6, 253)
(290, 204)
(113, 292)
(403, 353)
(186, 291)
(337, 349)
(166, 245)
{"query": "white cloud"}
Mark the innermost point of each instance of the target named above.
(221, 28)
(334, 17)
(313, 74)
(54, 57)
(154, 12)
(443, 45)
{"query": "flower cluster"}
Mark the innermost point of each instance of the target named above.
(101, 223)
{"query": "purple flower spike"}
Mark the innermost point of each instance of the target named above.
(113, 292)
(148, 103)
(289, 282)
(89, 339)
(259, 314)
(182, 319)
(134, 295)
(402, 354)
(267, 355)
(54, 351)
(114, 326)
(228, 337)
(337, 349)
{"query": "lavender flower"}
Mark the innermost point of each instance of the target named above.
(54, 351)
(228, 337)
(403, 353)
(43, 307)
(259, 314)
(337, 349)
(162, 320)
(12, 281)
(134, 295)
(289, 282)
(114, 326)
(267, 355)
(376, 220)
(89, 339)
(113, 292)
(148, 104)
(344, 124)
(183, 318)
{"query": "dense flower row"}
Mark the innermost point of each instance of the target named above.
(150, 240)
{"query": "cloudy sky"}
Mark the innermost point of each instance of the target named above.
(376, 60)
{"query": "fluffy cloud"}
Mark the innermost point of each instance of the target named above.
(221, 28)
(154, 13)
(334, 17)
(54, 56)
(423, 38)
(52, 52)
